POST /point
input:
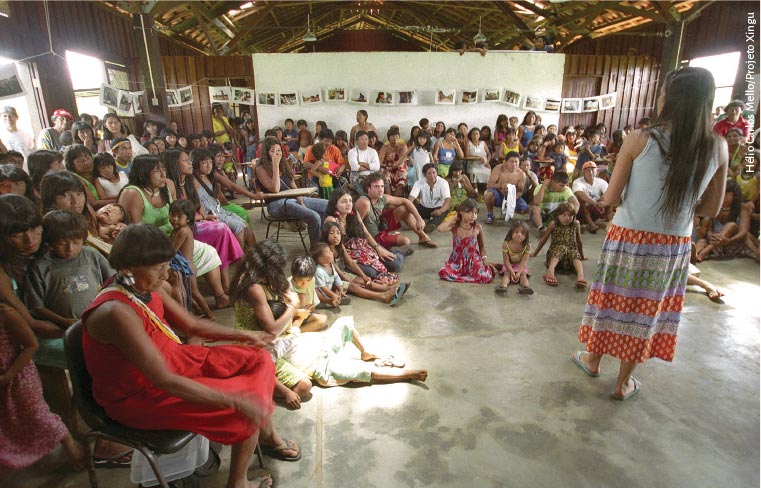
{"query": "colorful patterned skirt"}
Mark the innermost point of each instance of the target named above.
(635, 302)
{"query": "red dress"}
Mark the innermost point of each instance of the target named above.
(129, 397)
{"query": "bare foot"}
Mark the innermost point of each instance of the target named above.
(258, 482)
(388, 295)
(75, 452)
(368, 356)
(222, 301)
(415, 374)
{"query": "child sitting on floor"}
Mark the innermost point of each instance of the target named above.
(515, 253)
(303, 270)
(565, 247)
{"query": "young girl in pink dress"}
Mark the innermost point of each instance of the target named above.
(467, 263)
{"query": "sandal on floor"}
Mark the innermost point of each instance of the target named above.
(276, 452)
(525, 290)
(429, 244)
(637, 389)
(550, 280)
(345, 301)
(500, 289)
(390, 361)
(581, 284)
(577, 359)
(399, 294)
(715, 295)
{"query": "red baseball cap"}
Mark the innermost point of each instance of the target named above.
(63, 113)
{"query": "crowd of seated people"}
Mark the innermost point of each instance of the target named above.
(75, 197)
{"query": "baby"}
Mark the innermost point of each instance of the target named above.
(112, 219)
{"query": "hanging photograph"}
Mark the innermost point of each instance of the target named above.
(591, 104)
(290, 98)
(109, 96)
(383, 97)
(357, 95)
(444, 97)
(138, 102)
(266, 98)
(219, 93)
(571, 105)
(335, 95)
(533, 102)
(185, 95)
(491, 95)
(9, 82)
(172, 99)
(407, 97)
(468, 96)
(242, 95)
(125, 102)
(552, 105)
(607, 101)
(311, 96)
(511, 98)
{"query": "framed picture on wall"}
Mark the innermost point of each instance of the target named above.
(185, 95)
(406, 97)
(571, 105)
(335, 95)
(468, 97)
(491, 95)
(533, 102)
(109, 96)
(382, 97)
(591, 104)
(552, 105)
(242, 95)
(289, 99)
(311, 96)
(10, 86)
(219, 93)
(511, 98)
(125, 102)
(608, 101)
(266, 98)
(445, 97)
(358, 95)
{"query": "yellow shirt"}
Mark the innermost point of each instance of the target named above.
(218, 126)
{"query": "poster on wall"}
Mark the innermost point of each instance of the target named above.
(109, 96)
(242, 95)
(491, 95)
(552, 105)
(511, 98)
(444, 97)
(266, 98)
(9, 82)
(289, 99)
(125, 102)
(311, 96)
(468, 97)
(381, 97)
(571, 105)
(219, 93)
(172, 99)
(185, 95)
(607, 101)
(406, 97)
(591, 104)
(138, 102)
(335, 95)
(358, 95)
(533, 102)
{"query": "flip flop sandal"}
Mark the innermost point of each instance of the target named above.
(345, 301)
(550, 280)
(581, 284)
(525, 291)
(429, 244)
(502, 290)
(577, 359)
(276, 452)
(715, 296)
(636, 390)
(398, 295)
(390, 361)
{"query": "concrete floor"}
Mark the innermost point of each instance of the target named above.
(505, 406)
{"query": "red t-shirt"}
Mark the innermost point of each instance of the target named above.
(722, 127)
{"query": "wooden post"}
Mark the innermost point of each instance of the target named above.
(150, 65)
(55, 87)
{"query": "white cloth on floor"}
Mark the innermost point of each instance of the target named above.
(508, 203)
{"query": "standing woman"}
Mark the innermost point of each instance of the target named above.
(112, 128)
(223, 131)
(526, 130)
(671, 171)
(362, 124)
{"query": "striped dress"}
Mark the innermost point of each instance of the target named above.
(635, 302)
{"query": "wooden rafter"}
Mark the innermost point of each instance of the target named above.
(636, 12)
(197, 14)
(524, 29)
(537, 10)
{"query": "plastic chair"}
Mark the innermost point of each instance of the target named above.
(149, 442)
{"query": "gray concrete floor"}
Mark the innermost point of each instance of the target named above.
(505, 406)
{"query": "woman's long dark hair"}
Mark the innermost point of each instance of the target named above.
(39, 164)
(11, 172)
(263, 264)
(107, 134)
(140, 174)
(686, 112)
(72, 153)
(171, 158)
(17, 214)
(734, 209)
(201, 154)
(353, 224)
(266, 162)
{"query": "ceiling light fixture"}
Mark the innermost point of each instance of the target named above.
(479, 37)
(309, 35)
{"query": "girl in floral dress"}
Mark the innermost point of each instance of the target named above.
(467, 263)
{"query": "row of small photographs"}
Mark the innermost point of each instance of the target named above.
(122, 101)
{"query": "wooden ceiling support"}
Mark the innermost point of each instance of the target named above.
(523, 28)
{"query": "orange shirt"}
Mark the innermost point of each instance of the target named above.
(332, 156)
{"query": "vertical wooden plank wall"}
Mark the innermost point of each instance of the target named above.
(196, 71)
(633, 78)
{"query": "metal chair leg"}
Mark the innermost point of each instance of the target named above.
(154, 466)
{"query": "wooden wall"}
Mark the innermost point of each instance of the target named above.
(633, 78)
(200, 72)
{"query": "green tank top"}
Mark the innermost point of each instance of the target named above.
(89, 186)
(156, 216)
(373, 215)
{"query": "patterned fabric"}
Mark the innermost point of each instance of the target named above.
(396, 175)
(563, 246)
(361, 252)
(635, 302)
(465, 264)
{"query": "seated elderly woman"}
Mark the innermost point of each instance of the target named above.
(146, 378)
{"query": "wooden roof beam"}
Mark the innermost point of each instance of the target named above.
(199, 6)
(536, 9)
(249, 28)
(636, 12)
(524, 29)
(217, 10)
(197, 14)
